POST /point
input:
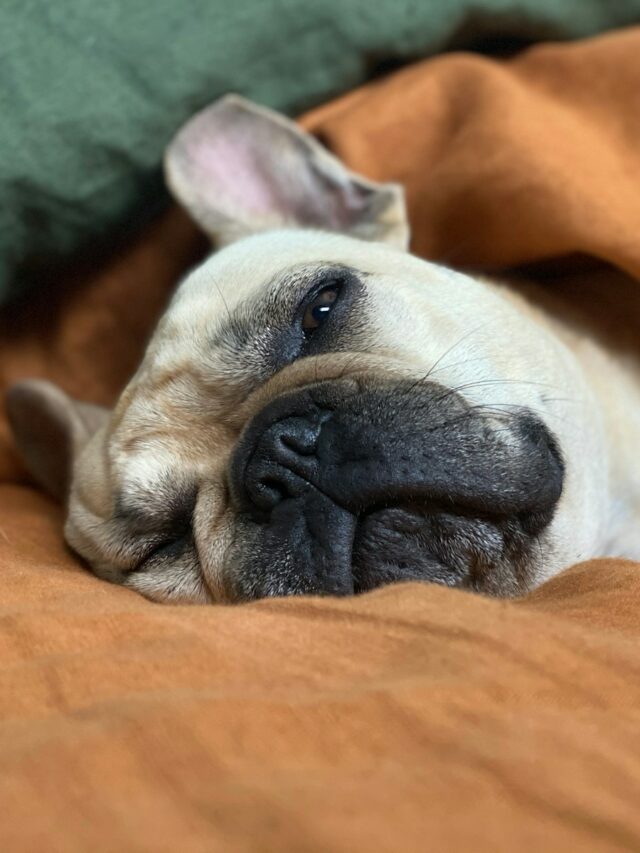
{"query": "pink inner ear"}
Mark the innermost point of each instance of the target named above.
(236, 164)
(229, 176)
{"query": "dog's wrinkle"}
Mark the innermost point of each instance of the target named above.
(431, 472)
(165, 552)
(305, 546)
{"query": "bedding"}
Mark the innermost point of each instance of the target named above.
(412, 717)
(92, 92)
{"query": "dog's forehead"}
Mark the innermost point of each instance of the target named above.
(218, 329)
(247, 270)
(256, 283)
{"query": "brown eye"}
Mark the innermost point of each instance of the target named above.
(318, 310)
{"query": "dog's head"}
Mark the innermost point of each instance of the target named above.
(318, 411)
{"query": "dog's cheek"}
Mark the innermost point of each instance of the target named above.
(215, 532)
(404, 543)
(407, 544)
(172, 580)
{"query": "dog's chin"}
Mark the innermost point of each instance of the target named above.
(411, 543)
(322, 549)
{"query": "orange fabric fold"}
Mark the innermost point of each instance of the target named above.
(411, 718)
(506, 163)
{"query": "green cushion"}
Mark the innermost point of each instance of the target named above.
(92, 90)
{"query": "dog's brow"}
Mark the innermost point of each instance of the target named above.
(277, 303)
(258, 336)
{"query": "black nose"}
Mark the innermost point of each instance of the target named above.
(282, 463)
(373, 447)
(316, 465)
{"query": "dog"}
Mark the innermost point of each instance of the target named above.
(320, 412)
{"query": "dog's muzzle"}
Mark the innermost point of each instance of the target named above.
(345, 485)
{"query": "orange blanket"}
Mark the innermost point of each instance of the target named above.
(412, 718)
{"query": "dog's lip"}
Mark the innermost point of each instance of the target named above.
(431, 508)
(413, 549)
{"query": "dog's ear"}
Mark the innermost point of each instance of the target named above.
(50, 429)
(240, 168)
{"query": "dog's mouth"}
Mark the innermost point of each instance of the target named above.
(412, 542)
(341, 487)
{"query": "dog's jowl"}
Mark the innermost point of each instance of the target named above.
(320, 412)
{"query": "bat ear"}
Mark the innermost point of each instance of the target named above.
(239, 168)
(50, 429)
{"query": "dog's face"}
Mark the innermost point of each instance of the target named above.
(320, 414)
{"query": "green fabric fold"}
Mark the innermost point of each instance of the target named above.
(91, 92)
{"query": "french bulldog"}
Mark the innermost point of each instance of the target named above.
(320, 412)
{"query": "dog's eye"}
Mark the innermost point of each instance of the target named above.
(164, 550)
(319, 308)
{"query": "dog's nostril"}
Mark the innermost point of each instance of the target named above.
(282, 462)
(299, 435)
(267, 492)
(304, 444)
(268, 485)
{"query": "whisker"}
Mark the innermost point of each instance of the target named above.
(564, 400)
(457, 364)
(482, 382)
(456, 345)
(224, 301)
(447, 352)
(492, 408)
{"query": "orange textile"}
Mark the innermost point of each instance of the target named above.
(506, 163)
(411, 718)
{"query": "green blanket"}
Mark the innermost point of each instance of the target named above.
(92, 90)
